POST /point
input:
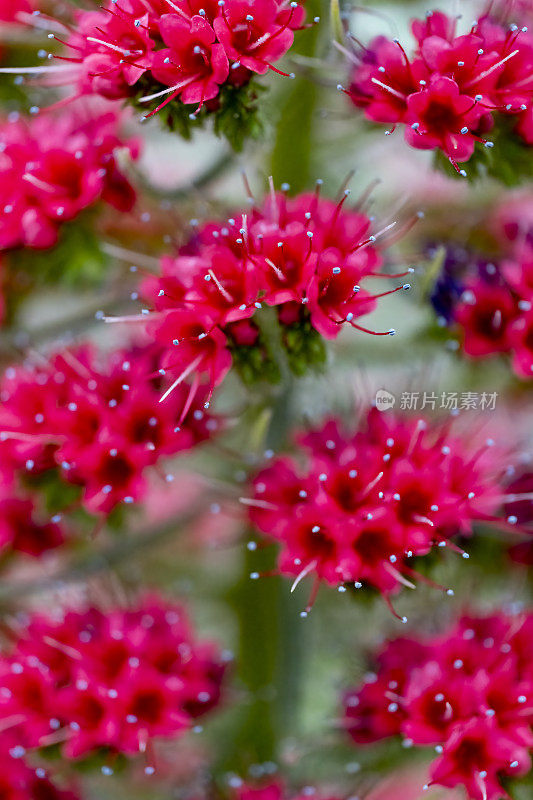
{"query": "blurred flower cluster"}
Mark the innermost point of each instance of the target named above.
(466, 691)
(108, 679)
(80, 430)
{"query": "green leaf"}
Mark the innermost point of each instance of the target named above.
(235, 113)
(76, 260)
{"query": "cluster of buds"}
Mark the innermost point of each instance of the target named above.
(367, 502)
(95, 425)
(189, 57)
(107, 679)
(53, 167)
(306, 257)
(466, 692)
(489, 301)
(454, 89)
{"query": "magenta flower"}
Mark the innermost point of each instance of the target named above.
(439, 115)
(19, 781)
(98, 423)
(307, 257)
(52, 168)
(187, 51)
(485, 314)
(488, 302)
(257, 34)
(195, 65)
(466, 692)
(448, 92)
(108, 679)
(22, 531)
(366, 501)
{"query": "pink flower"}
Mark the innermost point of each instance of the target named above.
(384, 102)
(112, 679)
(485, 316)
(99, 423)
(305, 256)
(113, 48)
(448, 94)
(465, 691)
(489, 303)
(21, 532)
(439, 116)
(475, 755)
(366, 501)
(19, 781)
(52, 168)
(194, 66)
(194, 48)
(254, 34)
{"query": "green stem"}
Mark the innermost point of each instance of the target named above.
(268, 654)
(292, 154)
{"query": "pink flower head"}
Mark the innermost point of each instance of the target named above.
(52, 168)
(112, 48)
(448, 92)
(253, 33)
(465, 692)
(99, 423)
(113, 679)
(440, 116)
(185, 51)
(194, 65)
(305, 256)
(368, 500)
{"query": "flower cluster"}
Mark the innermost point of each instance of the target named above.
(467, 692)
(367, 501)
(489, 301)
(199, 54)
(448, 92)
(95, 424)
(305, 256)
(111, 679)
(52, 168)
(20, 782)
